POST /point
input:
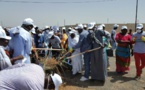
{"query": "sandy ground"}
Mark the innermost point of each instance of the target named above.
(114, 81)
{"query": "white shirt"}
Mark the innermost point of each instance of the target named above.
(4, 59)
(139, 46)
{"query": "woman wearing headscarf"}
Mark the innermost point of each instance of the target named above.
(123, 50)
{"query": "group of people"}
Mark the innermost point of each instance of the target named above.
(18, 44)
(126, 44)
(16, 70)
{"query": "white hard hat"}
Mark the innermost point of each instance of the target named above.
(3, 34)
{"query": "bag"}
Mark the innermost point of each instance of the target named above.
(109, 52)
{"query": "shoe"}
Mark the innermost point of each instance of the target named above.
(119, 72)
(137, 77)
(83, 78)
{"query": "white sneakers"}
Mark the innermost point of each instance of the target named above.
(83, 78)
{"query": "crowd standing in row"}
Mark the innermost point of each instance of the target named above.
(81, 38)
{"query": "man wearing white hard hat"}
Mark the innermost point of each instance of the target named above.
(106, 41)
(21, 42)
(4, 59)
(85, 27)
(45, 36)
(75, 61)
(91, 25)
(98, 57)
(139, 49)
(84, 44)
(113, 34)
(54, 43)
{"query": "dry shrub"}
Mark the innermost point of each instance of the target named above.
(50, 64)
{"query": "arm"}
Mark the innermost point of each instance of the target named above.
(112, 36)
(16, 58)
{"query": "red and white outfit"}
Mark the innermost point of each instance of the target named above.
(139, 52)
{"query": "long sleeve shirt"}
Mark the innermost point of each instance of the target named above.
(21, 44)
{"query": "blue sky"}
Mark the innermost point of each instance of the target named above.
(54, 12)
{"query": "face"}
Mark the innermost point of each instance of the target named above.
(80, 30)
(130, 31)
(115, 28)
(64, 31)
(85, 28)
(72, 35)
(103, 28)
(29, 27)
(124, 31)
(139, 30)
(4, 42)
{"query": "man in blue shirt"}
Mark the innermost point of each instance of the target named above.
(21, 42)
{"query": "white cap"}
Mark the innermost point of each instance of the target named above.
(139, 26)
(28, 21)
(63, 28)
(123, 27)
(91, 25)
(47, 27)
(69, 28)
(85, 25)
(100, 27)
(103, 25)
(116, 25)
(72, 31)
(50, 34)
(3, 34)
(80, 26)
(56, 80)
(55, 28)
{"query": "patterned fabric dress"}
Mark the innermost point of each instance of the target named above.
(123, 53)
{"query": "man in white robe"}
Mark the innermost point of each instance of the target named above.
(76, 61)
